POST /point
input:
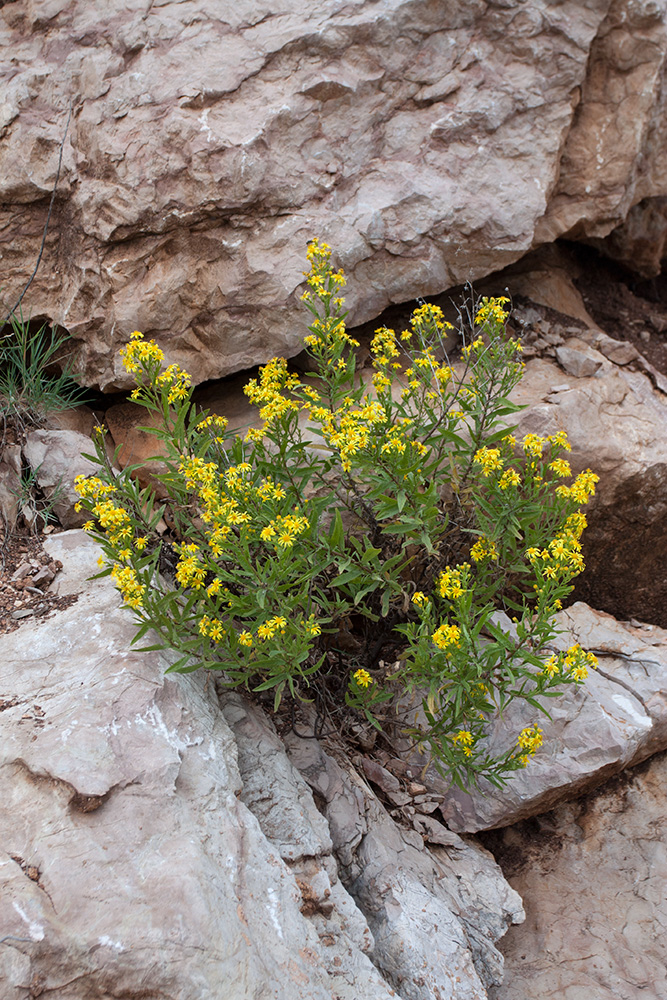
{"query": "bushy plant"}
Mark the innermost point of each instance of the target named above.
(382, 529)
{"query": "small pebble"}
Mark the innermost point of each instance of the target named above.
(25, 613)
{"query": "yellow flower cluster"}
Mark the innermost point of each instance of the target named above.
(427, 316)
(446, 636)
(383, 346)
(363, 678)
(465, 740)
(269, 391)
(484, 548)
(489, 459)
(530, 739)
(189, 570)
(533, 444)
(562, 556)
(348, 429)
(560, 467)
(212, 628)
(141, 354)
(271, 627)
(575, 661)
(491, 309)
(420, 599)
(509, 478)
(177, 381)
(127, 582)
(284, 529)
(450, 585)
(321, 279)
(114, 520)
(581, 489)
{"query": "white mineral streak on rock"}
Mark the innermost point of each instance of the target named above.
(428, 143)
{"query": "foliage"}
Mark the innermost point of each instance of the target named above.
(33, 379)
(385, 532)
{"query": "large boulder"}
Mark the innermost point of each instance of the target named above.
(152, 845)
(429, 143)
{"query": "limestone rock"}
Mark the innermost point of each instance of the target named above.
(615, 420)
(434, 915)
(128, 860)
(10, 485)
(56, 458)
(150, 842)
(615, 720)
(429, 144)
(591, 874)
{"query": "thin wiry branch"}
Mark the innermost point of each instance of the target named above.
(12, 311)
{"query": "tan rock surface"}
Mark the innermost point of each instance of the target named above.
(429, 144)
(592, 876)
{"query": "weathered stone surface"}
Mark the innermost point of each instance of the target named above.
(434, 914)
(615, 421)
(129, 864)
(617, 719)
(147, 847)
(428, 143)
(56, 458)
(592, 876)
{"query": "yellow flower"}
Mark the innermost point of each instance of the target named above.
(530, 738)
(363, 678)
(483, 548)
(489, 459)
(446, 636)
(245, 638)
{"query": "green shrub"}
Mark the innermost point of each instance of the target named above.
(387, 534)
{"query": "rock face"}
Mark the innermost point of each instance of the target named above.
(152, 846)
(429, 143)
(617, 719)
(592, 876)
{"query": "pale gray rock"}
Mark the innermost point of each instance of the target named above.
(615, 720)
(577, 359)
(129, 863)
(429, 144)
(592, 876)
(434, 915)
(56, 458)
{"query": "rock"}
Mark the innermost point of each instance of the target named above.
(137, 446)
(615, 421)
(578, 360)
(591, 875)
(283, 804)
(56, 458)
(77, 418)
(615, 720)
(202, 154)
(433, 917)
(147, 836)
(121, 797)
(10, 484)
(380, 776)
